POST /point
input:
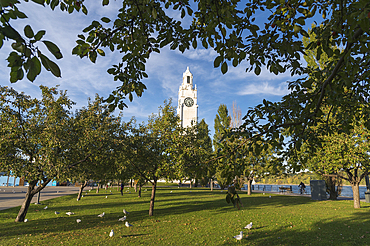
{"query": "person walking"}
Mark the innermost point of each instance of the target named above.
(302, 188)
(122, 185)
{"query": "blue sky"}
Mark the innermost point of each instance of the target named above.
(83, 79)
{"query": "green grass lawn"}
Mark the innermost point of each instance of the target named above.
(188, 217)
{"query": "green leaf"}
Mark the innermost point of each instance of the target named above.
(194, 43)
(87, 29)
(53, 49)
(41, 2)
(28, 31)
(257, 70)
(92, 56)
(105, 19)
(84, 9)
(182, 13)
(54, 68)
(34, 68)
(101, 52)
(217, 61)
(224, 68)
(50, 65)
(53, 4)
(154, 13)
(39, 35)
(105, 2)
(11, 33)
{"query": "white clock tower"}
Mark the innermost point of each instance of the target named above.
(187, 108)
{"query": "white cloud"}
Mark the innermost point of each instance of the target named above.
(264, 88)
(201, 54)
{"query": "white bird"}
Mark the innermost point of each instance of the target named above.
(78, 220)
(128, 224)
(25, 220)
(56, 212)
(106, 196)
(69, 213)
(13, 191)
(122, 219)
(111, 234)
(269, 196)
(46, 207)
(101, 215)
(171, 191)
(82, 196)
(125, 212)
(239, 237)
(249, 226)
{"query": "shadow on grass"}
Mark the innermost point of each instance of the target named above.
(354, 230)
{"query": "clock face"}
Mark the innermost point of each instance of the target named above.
(189, 102)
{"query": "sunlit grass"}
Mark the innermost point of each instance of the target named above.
(188, 217)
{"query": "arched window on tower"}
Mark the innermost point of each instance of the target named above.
(188, 77)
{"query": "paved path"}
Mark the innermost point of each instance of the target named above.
(14, 196)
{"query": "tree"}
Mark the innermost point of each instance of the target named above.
(345, 155)
(34, 134)
(233, 29)
(94, 131)
(220, 142)
(192, 150)
(149, 148)
(41, 141)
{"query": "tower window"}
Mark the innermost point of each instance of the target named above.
(188, 78)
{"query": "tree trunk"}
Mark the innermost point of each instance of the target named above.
(81, 190)
(135, 186)
(139, 190)
(356, 195)
(211, 184)
(190, 184)
(29, 195)
(7, 181)
(97, 188)
(152, 198)
(249, 183)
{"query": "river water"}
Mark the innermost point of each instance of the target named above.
(346, 189)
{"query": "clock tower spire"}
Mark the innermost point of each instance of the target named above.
(187, 108)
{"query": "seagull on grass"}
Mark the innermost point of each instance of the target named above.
(128, 224)
(46, 207)
(78, 220)
(69, 213)
(101, 215)
(122, 219)
(249, 226)
(239, 237)
(25, 220)
(111, 234)
(56, 212)
(125, 212)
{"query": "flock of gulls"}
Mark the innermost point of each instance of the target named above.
(111, 234)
